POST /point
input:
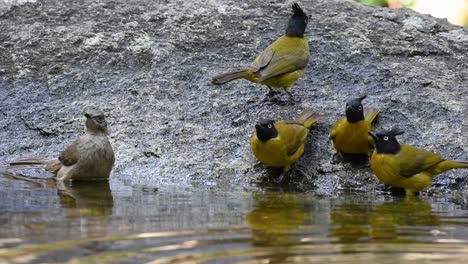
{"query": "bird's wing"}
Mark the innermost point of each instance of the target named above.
(292, 134)
(262, 60)
(69, 156)
(281, 64)
(415, 160)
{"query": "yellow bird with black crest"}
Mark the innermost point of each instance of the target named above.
(281, 63)
(350, 134)
(405, 166)
(279, 144)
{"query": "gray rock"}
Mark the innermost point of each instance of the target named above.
(148, 65)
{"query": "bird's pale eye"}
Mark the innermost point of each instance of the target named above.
(306, 20)
(385, 138)
(270, 126)
(360, 108)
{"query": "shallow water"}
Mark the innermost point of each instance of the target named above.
(102, 223)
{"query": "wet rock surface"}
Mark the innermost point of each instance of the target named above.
(148, 66)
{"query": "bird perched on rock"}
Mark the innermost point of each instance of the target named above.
(281, 63)
(279, 144)
(350, 134)
(90, 157)
(405, 166)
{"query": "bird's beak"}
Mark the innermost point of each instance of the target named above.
(87, 115)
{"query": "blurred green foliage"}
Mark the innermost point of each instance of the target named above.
(455, 11)
(374, 2)
(388, 3)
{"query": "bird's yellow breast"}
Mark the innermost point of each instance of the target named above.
(271, 153)
(351, 138)
(385, 168)
(283, 150)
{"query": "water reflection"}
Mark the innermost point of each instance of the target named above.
(274, 221)
(90, 198)
(88, 222)
(396, 221)
(34, 207)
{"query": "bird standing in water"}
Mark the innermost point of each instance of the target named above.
(405, 166)
(90, 157)
(281, 63)
(350, 134)
(279, 144)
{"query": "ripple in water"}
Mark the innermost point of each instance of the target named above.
(101, 223)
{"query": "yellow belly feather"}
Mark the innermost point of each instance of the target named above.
(352, 138)
(386, 168)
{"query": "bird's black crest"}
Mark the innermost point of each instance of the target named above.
(297, 23)
(265, 122)
(385, 141)
(391, 133)
(356, 101)
(354, 110)
(396, 132)
(298, 10)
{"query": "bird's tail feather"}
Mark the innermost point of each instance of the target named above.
(229, 76)
(308, 118)
(370, 114)
(50, 165)
(450, 164)
(28, 162)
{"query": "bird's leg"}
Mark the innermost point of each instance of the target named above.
(271, 92)
(291, 97)
(286, 89)
(271, 96)
(280, 177)
(282, 174)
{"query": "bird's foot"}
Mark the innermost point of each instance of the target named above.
(394, 191)
(271, 92)
(272, 97)
(275, 175)
(337, 158)
(292, 100)
(356, 160)
(280, 178)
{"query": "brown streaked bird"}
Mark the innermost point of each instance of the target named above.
(405, 166)
(280, 64)
(350, 134)
(90, 157)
